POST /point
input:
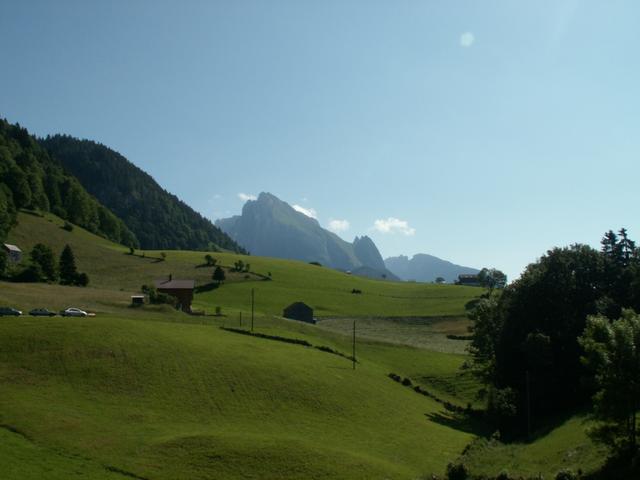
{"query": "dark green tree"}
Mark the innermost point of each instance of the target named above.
(43, 256)
(3, 262)
(68, 269)
(210, 261)
(612, 351)
(492, 278)
(218, 275)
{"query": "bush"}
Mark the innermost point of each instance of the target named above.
(158, 298)
(503, 475)
(566, 474)
(68, 227)
(31, 274)
(457, 471)
(82, 280)
(218, 311)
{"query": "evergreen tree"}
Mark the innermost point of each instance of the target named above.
(68, 270)
(219, 275)
(42, 256)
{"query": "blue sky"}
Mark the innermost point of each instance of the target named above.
(481, 132)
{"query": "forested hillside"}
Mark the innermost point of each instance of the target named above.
(159, 219)
(31, 179)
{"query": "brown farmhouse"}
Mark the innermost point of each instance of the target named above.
(181, 289)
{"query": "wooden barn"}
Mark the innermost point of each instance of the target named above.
(13, 252)
(468, 280)
(299, 311)
(181, 289)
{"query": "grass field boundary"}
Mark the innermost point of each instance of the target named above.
(294, 341)
(124, 473)
(450, 406)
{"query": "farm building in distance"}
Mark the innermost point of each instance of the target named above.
(13, 252)
(468, 280)
(181, 289)
(299, 311)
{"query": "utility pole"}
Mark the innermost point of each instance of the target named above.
(253, 301)
(353, 352)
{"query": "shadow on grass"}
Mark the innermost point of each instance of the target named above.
(207, 287)
(143, 257)
(460, 422)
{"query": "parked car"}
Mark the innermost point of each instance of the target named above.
(7, 311)
(73, 312)
(42, 312)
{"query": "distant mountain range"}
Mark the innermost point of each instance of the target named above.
(270, 227)
(425, 268)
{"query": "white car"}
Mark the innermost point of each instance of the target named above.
(73, 312)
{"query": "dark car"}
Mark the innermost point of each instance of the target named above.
(6, 311)
(42, 312)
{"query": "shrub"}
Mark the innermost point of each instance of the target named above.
(566, 474)
(503, 475)
(158, 298)
(82, 280)
(457, 471)
(68, 227)
(31, 274)
(406, 382)
(218, 311)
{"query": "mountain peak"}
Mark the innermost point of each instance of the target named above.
(271, 227)
(423, 267)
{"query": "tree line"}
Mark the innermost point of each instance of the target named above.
(31, 179)
(562, 334)
(43, 267)
(159, 219)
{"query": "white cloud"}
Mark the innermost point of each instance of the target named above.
(338, 225)
(467, 39)
(393, 225)
(246, 196)
(309, 212)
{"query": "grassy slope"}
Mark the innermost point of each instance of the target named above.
(328, 291)
(566, 446)
(152, 392)
(176, 400)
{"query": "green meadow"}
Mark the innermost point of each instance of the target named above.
(153, 393)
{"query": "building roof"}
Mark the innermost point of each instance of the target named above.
(12, 248)
(298, 305)
(175, 284)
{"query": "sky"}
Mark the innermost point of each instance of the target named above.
(484, 133)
